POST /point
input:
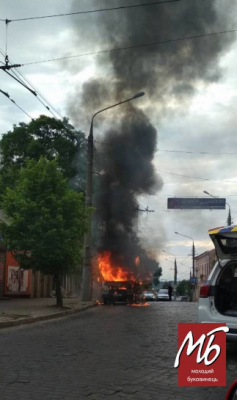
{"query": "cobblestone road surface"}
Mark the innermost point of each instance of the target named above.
(105, 353)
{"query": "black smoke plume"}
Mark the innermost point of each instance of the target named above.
(125, 161)
(168, 73)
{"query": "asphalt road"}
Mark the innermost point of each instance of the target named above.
(107, 352)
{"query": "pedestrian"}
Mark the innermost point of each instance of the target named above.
(170, 291)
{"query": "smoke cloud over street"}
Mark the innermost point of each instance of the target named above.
(169, 74)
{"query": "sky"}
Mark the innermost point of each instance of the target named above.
(204, 123)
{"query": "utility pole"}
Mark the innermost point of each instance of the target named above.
(193, 257)
(229, 220)
(86, 288)
(175, 278)
(194, 290)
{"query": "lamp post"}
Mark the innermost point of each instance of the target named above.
(86, 278)
(193, 254)
(229, 220)
(175, 270)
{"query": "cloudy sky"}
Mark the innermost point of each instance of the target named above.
(203, 122)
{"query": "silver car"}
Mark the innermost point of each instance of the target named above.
(163, 295)
(149, 296)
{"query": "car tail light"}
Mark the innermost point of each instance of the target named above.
(205, 291)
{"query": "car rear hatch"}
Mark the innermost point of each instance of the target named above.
(225, 242)
(225, 283)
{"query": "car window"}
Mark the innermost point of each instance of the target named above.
(228, 245)
(228, 273)
(163, 291)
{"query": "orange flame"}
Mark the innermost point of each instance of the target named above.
(137, 261)
(139, 305)
(110, 272)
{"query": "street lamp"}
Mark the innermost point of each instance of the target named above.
(229, 222)
(193, 254)
(86, 278)
(175, 268)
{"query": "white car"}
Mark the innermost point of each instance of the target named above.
(218, 296)
(163, 295)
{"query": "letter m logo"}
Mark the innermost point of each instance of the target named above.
(201, 349)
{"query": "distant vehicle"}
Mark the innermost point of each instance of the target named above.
(149, 296)
(218, 295)
(184, 298)
(163, 295)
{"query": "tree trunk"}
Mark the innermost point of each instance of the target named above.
(58, 291)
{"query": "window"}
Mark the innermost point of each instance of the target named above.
(227, 245)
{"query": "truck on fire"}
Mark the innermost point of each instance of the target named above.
(120, 292)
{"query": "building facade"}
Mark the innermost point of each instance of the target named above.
(203, 265)
(15, 282)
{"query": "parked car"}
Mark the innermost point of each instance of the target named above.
(163, 295)
(218, 296)
(149, 296)
(184, 298)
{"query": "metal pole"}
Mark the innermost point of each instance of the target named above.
(194, 285)
(175, 279)
(86, 277)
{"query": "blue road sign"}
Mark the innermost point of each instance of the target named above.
(193, 280)
(196, 204)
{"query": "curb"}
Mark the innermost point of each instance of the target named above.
(32, 320)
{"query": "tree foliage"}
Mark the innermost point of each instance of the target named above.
(183, 288)
(45, 218)
(47, 137)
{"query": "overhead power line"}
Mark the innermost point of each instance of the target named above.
(25, 82)
(192, 177)
(196, 152)
(134, 46)
(153, 3)
(9, 98)
(180, 151)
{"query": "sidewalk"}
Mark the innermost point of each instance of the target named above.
(15, 312)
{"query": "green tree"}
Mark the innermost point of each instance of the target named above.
(46, 221)
(47, 137)
(183, 288)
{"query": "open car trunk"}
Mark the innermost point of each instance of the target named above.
(226, 290)
(225, 242)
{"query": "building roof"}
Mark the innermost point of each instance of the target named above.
(205, 254)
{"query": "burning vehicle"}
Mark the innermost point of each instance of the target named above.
(119, 284)
(119, 292)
